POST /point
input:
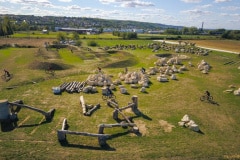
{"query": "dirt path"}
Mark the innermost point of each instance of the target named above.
(216, 45)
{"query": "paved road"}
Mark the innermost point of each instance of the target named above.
(215, 49)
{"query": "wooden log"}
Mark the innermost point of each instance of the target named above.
(64, 124)
(84, 133)
(82, 85)
(129, 106)
(112, 104)
(118, 111)
(93, 109)
(48, 115)
(83, 105)
(102, 126)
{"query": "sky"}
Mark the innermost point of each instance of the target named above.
(213, 14)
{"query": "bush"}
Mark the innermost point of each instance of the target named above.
(92, 43)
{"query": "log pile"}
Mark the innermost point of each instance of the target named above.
(72, 87)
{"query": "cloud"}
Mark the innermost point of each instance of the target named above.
(74, 7)
(65, 0)
(32, 2)
(231, 8)
(129, 3)
(220, 1)
(192, 1)
(195, 12)
(137, 4)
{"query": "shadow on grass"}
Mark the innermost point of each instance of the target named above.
(32, 125)
(105, 147)
(200, 132)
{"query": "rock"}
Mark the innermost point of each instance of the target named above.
(237, 92)
(134, 86)
(185, 118)
(123, 90)
(143, 89)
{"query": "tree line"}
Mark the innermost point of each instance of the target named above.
(7, 28)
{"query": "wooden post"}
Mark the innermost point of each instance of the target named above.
(115, 115)
(61, 135)
(83, 105)
(135, 101)
(4, 110)
(135, 106)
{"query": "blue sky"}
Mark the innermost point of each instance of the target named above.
(215, 14)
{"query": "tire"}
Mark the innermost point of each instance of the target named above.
(112, 96)
(3, 77)
(104, 97)
(203, 98)
(210, 98)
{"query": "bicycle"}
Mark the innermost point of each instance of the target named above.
(206, 98)
(108, 96)
(6, 77)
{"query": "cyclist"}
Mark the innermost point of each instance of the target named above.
(143, 70)
(6, 73)
(109, 92)
(207, 93)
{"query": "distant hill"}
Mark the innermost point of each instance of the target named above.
(82, 22)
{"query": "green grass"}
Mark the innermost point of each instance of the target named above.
(163, 101)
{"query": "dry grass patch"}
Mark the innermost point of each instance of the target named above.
(219, 44)
(167, 127)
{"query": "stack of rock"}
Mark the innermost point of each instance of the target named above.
(204, 67)
(187, 122)
(161, 62)
(99, 80)
(135, 78)
(162, 78)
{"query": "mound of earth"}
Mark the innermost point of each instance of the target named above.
(164, 55)
(45, 65)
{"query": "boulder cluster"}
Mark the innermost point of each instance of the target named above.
(187, 122)
(204, 67)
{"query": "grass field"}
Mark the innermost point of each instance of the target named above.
(163, 106)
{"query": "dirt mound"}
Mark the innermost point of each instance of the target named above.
(164, 55)
(45, 65)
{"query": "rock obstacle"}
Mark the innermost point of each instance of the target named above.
(187, 122)
(99, 79)
(204, 67)
(135, 78)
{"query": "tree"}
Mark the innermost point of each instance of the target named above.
(75, 36)
(6, 27)
(61, 36)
